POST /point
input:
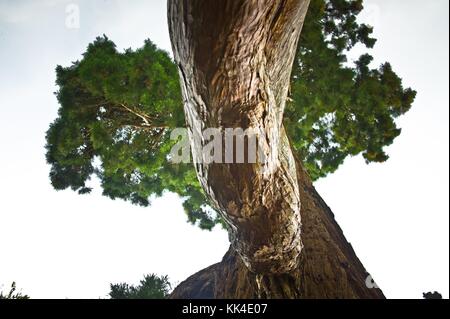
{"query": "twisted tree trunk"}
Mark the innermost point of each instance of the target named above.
(235, 59)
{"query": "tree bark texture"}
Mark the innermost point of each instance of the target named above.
(328, 268)
(235, 59)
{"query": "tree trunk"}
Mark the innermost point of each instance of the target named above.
(235, 59)
(329, 267)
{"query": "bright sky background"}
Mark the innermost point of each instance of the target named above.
(62, 245)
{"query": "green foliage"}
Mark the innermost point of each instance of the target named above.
(13, 294)
(117, 110)
(151, 287)
(339, 110)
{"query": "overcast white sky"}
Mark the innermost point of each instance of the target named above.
(62, 245)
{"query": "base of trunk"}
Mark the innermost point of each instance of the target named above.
(329, 267)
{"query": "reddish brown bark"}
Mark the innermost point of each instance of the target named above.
(328, 268)
(235, 59)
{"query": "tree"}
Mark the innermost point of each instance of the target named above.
(241, 65)
(432, 295)
(118, 109)
(344, 109)
(13, 294)
(151, 287)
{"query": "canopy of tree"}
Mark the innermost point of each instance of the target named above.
(117, 110)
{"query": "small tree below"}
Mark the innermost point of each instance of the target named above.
(151, 287)
(13, 294)
(432, 295)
